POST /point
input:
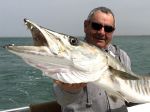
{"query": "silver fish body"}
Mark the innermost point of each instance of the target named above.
(70, 60)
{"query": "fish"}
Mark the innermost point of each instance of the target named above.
(71, 60)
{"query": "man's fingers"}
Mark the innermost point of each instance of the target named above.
(67, 86)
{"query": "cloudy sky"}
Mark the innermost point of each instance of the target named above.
(67, 16)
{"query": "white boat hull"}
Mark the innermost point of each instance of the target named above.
(140, 108)
(136, 108)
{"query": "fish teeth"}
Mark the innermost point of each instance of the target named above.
(31, 27)
(25, 23)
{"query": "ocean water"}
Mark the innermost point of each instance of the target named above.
(21, 84)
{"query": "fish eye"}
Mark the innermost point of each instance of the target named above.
(73, 41)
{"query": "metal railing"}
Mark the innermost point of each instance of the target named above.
(22, 109)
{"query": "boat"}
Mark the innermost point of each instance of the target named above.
(140, 108)
(55, 107)
(52, 106)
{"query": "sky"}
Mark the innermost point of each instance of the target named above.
(67, 16)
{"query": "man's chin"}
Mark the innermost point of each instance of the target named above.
(101, 44)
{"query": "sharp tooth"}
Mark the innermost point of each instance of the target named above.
(31, 27)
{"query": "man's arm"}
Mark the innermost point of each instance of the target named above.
(67, 93)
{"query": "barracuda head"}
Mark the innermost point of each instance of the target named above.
(58, 55)
(55, 42)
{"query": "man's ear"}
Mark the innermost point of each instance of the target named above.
(86, 23)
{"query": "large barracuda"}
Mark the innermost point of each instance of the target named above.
(67, 59)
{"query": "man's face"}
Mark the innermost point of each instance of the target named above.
(99, 29)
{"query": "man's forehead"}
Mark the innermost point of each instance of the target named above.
(99, 15)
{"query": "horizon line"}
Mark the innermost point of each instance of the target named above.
(75, 36)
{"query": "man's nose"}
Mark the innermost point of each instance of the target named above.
(101, 31)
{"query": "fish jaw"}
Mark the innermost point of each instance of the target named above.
(39, 39)
(34, 50)
(80, 69)
(41, 58)
(56, 42)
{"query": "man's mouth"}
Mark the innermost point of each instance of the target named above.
(99, 38)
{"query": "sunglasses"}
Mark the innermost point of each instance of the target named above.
(98, 26)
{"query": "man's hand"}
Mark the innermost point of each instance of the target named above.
(70, 87)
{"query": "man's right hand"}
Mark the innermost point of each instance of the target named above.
(70, 87)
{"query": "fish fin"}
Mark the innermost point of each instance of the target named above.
(123, 75)
(113, 97)
(116, 96)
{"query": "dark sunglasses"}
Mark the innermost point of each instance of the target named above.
(98, 26)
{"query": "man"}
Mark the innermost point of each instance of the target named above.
(98, 28)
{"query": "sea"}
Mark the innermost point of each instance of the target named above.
(22, 85)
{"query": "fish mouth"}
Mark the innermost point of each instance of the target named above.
(41, 41)
(37, 35)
